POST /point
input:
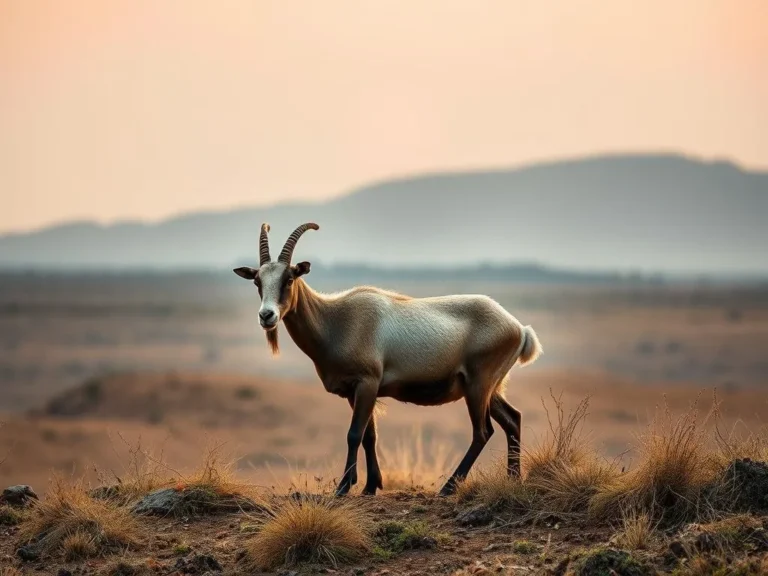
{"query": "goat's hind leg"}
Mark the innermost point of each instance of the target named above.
(510, 420)
(479, 414)
(373, 471)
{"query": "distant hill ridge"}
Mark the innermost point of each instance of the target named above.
(650, 213)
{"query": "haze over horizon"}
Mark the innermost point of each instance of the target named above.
(140, 110)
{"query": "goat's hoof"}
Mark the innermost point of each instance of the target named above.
(447, 490)
(342, 490)
(369, 491)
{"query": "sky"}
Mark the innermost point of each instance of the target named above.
(133, 109)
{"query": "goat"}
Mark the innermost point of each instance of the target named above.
(367, 343)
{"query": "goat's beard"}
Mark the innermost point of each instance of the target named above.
(272, 341)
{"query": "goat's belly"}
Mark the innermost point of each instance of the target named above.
(424, 393)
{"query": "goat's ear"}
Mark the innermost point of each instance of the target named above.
(300, 269)
(246, 272)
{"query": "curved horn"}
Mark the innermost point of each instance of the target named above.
(290, 244)
(264, 257)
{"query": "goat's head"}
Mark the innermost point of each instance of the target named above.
(274, 280)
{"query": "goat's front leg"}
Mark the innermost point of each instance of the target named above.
(362, 411)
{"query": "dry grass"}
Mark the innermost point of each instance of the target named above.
(718, 566)
(79, 546)
(494, 488)
(213, 487)
(679, 476)
(562, 469)
(68, 520)
(674, 471)
(412, 465)
(10, 516)
(740, 442)
(10, 571)
(638, 530)
(562, 473)
(143, 473)
(321, 530)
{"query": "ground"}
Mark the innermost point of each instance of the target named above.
(101, 369)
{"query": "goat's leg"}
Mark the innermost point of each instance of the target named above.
(373, 480)
(482, 430)
(510, 420)
(362, 411)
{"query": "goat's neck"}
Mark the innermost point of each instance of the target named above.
(307, 321)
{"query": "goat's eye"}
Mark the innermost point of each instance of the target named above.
(289, 282)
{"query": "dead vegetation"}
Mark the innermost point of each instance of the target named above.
(320, 530)
(678, 478)
(562, 474)
(681, 475)
(71, 522)
(676, 475)
(413, 465)
(212, 488)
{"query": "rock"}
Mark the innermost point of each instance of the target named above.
(28, 553)
(678, 549)
(705, 542)
(191, 501)
(414, 542)
(198, 564)
(20, 495)
(750, 479)
(479, 515)
(610, 561)
(160, 502)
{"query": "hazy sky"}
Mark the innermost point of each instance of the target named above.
(127, 108)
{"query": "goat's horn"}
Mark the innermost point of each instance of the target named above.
(290, 244)
(264, 257)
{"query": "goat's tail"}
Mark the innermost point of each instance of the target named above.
(530, 347)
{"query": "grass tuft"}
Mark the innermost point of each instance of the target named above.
(394, 537)
(68, 520)
(673, 476)
(562, 473)
(9, 516)
(637, 530)
(212, 488)
(317, 530)
(79, 546)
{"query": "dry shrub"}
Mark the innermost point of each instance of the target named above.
(737, 445)
(562, 472)
(212, 487)
(563, 469)
(322, 530)
(10, 516)
(637, 530)
(718, 566)
(68, 518)
(410, 465)
(494, 488)
(674, 472)
(78, 546)
(142, 473)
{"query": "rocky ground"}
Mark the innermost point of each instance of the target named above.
(185, 529)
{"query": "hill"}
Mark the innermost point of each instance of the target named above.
(661, 213)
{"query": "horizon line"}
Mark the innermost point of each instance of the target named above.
(394, 178)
